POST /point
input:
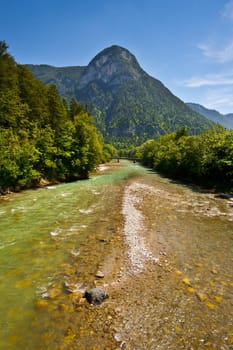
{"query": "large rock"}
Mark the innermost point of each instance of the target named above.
(96, 296)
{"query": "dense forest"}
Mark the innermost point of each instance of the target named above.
(41, 136)
(206, 159)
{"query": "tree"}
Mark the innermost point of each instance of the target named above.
(205, 159)
(75, 108)
(3, 48)
(39, 135)
(56, 108)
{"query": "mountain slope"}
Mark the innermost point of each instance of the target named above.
(65, 78)
(128, 104)
(224, 119)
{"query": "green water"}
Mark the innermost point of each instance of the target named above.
(38, 231)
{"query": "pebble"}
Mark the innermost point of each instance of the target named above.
(117, 337)
(186, 281)
(201, 296)
(99, 274)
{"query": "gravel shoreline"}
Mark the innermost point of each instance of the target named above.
(138, 251)
(130, 291)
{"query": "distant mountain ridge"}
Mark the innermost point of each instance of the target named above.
(224, 119)
(128, 105)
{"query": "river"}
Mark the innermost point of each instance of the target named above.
(164, 251)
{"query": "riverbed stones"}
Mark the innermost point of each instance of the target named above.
(96, 296)
(99, 274)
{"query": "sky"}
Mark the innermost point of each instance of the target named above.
(186, 44)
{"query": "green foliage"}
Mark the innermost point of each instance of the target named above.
(206, 159)
(87, 145)
(17, 159)
(75, 108)
(109, 152)
(3, 48)
(40, 135)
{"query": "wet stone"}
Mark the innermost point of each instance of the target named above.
(96, 296)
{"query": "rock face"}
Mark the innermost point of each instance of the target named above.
(112, 66)
(96, 296)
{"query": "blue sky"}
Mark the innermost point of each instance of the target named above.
(187, 44)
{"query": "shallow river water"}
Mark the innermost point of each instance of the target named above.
(165, 251)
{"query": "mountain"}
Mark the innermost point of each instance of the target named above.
(128, 105)
(65, 78)
(224, 119)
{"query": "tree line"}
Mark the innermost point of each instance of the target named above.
(206, 159)
(41, 135)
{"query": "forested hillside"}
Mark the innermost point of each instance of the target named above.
(223, 119)
(65, 78)
(128, 105)
(206, 159)
(41, 137)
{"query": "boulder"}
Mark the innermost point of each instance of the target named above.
(96, 296)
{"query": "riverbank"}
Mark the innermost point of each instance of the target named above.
(141, 261)
(160, 282)
(144, 267)
(161, 250)
(45, 183)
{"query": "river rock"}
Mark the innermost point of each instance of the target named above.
(74, 287)
(99, 274)
(96, 296)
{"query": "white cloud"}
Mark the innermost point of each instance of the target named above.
(228, 10)
(220, 99)
(223, 55)
(209, 80)
(220, 53)
(215, 90)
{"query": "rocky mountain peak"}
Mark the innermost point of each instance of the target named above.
(113, 66)
(113, 53)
